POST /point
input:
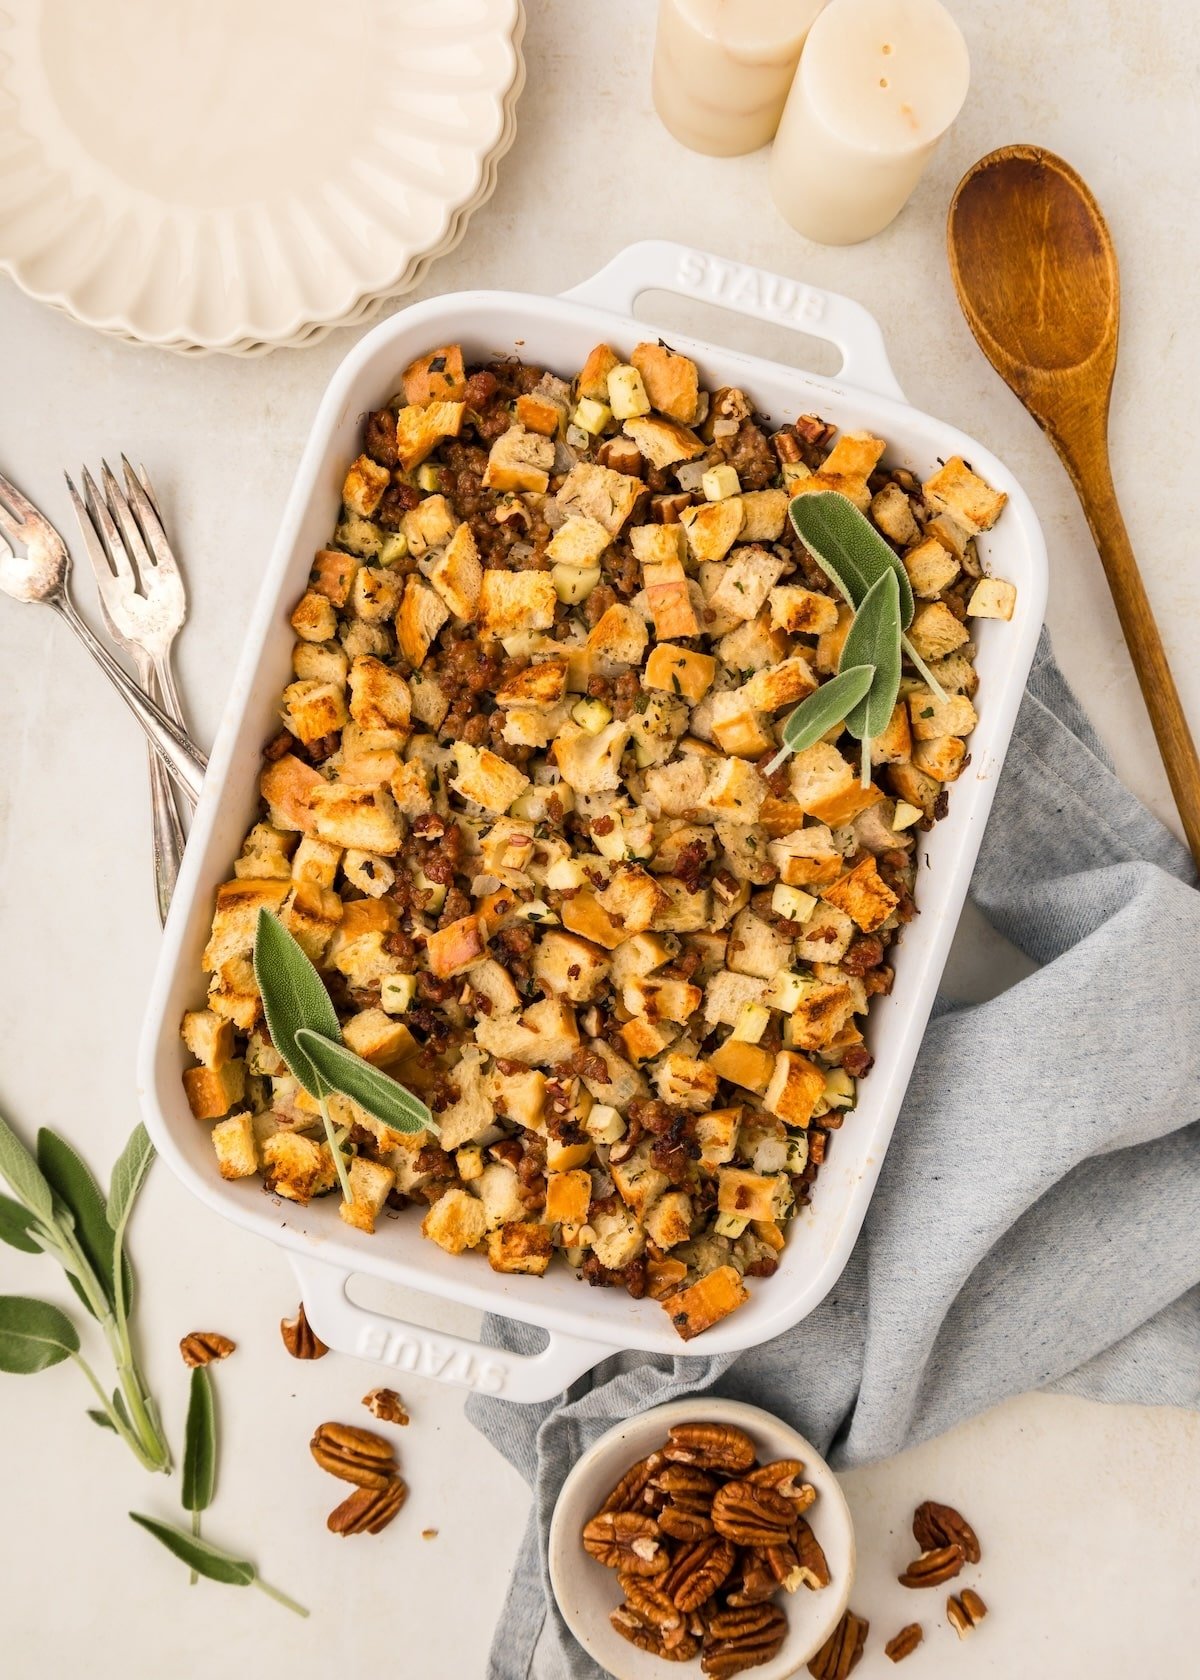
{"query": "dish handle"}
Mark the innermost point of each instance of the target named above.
(349, 1328)
(662, 265)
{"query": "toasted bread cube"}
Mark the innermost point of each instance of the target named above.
(236, 1147)
(930, 568)
(565, 965)
(658, 545)
(764, 514)
(311, 916)
(796, 1087)
(967, 498)
(379, 696)
(333, 576)
(313, 710)
(935, 631)
(541, 685)
(750, 1194)
(514, 601)
(671, 381)
(639, 1183)
(727, 994)
(661, 1000)
(208, 1037)
(370, 874)
(825, 786)
(579, 541)
(854, 455)
(487, 778)
(619, 635)
(669, 1221)
(747, 1065)
(296, 1167)
(427, 526)
(376, 594)
(749, 578)
(422, 614)
(520, 1097)
(235, 919)
(806, 857)
(591, 763)
(567, 1197)
(854, 489)
(663, 442)
(370, 1186)
(617, 1238)
(519, 460)
(499, 1189)
(703, 1304)
(566, 1157)
(626, 392)
(781, 685)
(831, 642)
(717, 1135)
(601, 494)
(522, 1246)
(826, 937)
(585, 916)
(892, 512)
(642, 1040)
(755, 947)
(677, 670)
(437, 377)
(737, 727)
(212, 1092)
(712, 529)
(409, 786)
(456, 1222)
(361, 536)
(821, 1013)
(669, 601)
(802, 611)
(932, 717)
(632, 898)
(545, 1035)
(320, 662)
(592, 380)
(457, 575)
(419, 429)
(941, 758)
(364, 486)
(452, 949)
(894, 746)
(313, 617)
(537, 413)
(377, 1037)
(316, 861)
(992, 597)
(686, 1081)
(734, 790)
(913, 785)
(363, 817)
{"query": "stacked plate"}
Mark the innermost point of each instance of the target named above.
(211, 175)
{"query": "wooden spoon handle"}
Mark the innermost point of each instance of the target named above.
(1090, 471)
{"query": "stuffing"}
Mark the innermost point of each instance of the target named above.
(992, 598)
(212, 1092)
(379, 696)
(208, 1037)
(932, 717)
(733, 789)
(781, 685)
(764, 514)
(419, 430)
(311, 915)
(591, 763)
(314, 618)
(935, 631)
(428, 526)
(826, 936)
(236, 1147)
(892, 512)
(751, 574)
(669, 601)
(519, 460)
(364, 486)
(486, 779)
(712, 529)
(363, 817)
(632, 898)
(566, 966)
(515, 601)
(658, 545)
(755, 947)
(421, 615)
(436, 377)
(826, 786)
(663, 442)
(737, 727)
(592, 379)
(333, 574)
(457, 575)
(618, 637)
(370, 1185)
(523, 1247)
(579, 541)
(677, 670)
(704, 1303)
(796, 1087)
(930, 567)
(455, 1222)
(942, 758)
(601, 494)
(452, 949)
(296, 1167)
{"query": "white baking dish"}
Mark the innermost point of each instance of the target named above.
(584, 1325)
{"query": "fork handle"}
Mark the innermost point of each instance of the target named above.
(168, 833)
(183, 761)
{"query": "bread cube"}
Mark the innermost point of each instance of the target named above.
(677, 670)
(781, 685)
(831, 642)
(236, 1147)
(520, 1097)
(632, 898)
(523, 1246)
(422, 614)
(755, 947)
(473, 1111)
(663, 442)
(671, 381)
(364, 486)
(208, 1037)
(514, 601)
(320, 662)
(212, 1092)
(826, 937)
(992, 597)
(316, 861)
(545, 1035)
(733, 789)
(854, 455)
(313, 710)
(658, 545)
(802, 611)
(795, 1088)
(427, 526)
(669, 601)
(419, 430)
(819, 1016)
(311, 915)
(764, 514)
(737, 727)
(313, 617)
(717, 1135)
(712, 529)
(360, 536)
(892, 512)
(579, 541)
(705, 1303)
(487, 778)
(932, 717)
(591, 763)
(370, 1185)
(377, 1037)
(894, 746)
(519, 460)
(727, 993)
(619, 636)
(750, 1195)
(967, 498)
(457, 575)
(333, 576)
(455, 1222)
(568, 1195)
(537, 413)
(453, 949)
(379, 696)
(565, 965)
(686, 1081)
(935, 631)
(747, 1065)
(437, 377)
(618, 1238)
(669, 1221)
(941, 758)
(592, 379)
(749, 578)
(601, 494)
(826, 787)
(930, 567)
(911, 784)
(297, 1167)
(363, 817)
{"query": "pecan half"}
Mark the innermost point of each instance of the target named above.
(386, 1405)
(785, 1477)
(933, 1568)
(625, 1541)
(651, 1605)
(368, 1509)
(965, 1612)
(936, 1525)
(685, 1513)
(201, 1347)
(699, 1570)
(650, 1639)
(713, 1446)
(743, 1638)
(904, 1643)
(627, 1495)
(810, 1558)
(752, 1516)
(299, 1337)
(353, 1455)
(843, 1649)
(756, 1584)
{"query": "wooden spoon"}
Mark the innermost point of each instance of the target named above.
(1036, 275)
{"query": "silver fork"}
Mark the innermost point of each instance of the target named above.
(41, 574)
(143, 603)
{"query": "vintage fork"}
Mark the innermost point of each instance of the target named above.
(41, 574)
(143, 603)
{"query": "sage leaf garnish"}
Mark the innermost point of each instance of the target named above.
(34, 1335)
(18, 1166)
(16, 1222)
(351, 1076)
(133, 1163)
(70, 1179)
(211, 1562)
(848, 548)
(819, 711)
(874, 637)
(103, 1419)
(199, 1451)
(294, 996)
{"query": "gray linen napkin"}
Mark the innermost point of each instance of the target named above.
(1037, 1220)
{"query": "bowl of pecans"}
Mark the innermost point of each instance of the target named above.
(704, 1534)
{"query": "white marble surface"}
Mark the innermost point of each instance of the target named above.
(1087, 1513)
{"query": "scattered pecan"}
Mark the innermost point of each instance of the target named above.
(712, 1446)
(386, 1405)
(625, 1541)
(368, 1509)
(842, 1650)
(299, 1337)
(742, 1638)
(933, 1568)
(965, 1612)
(648, 1639)
(353, 1455)
(750, 1515)
(904, 1643)
(626, 1496)
(699, 1570)
(936, 1525)
(201, 1347)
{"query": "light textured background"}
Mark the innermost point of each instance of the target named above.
(1087, 1514)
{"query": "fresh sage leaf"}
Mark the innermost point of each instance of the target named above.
(102, 1418)
(199, 1444)
(16, 1222)
(34, 1335)
(385, 1098)
(201, 1555)
(294, 998)
(874, 638)
(819, 711)
(848, 548)
(69, 1177)
(24, 1175)
(127, 1177)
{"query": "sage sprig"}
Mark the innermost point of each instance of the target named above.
(60, 1211)
(199, 1478)
(211, 1562)
(304, 1029)
(874, 639)
(819, 711)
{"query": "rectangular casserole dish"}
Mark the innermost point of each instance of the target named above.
(585, 1325)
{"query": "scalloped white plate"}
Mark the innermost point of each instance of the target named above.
(212, 175)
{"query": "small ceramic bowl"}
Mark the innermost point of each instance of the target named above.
(587, 1592)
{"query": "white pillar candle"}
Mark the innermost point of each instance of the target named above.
(722, 69)
(879, 83)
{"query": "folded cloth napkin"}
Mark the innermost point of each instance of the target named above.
(1037, 1220)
